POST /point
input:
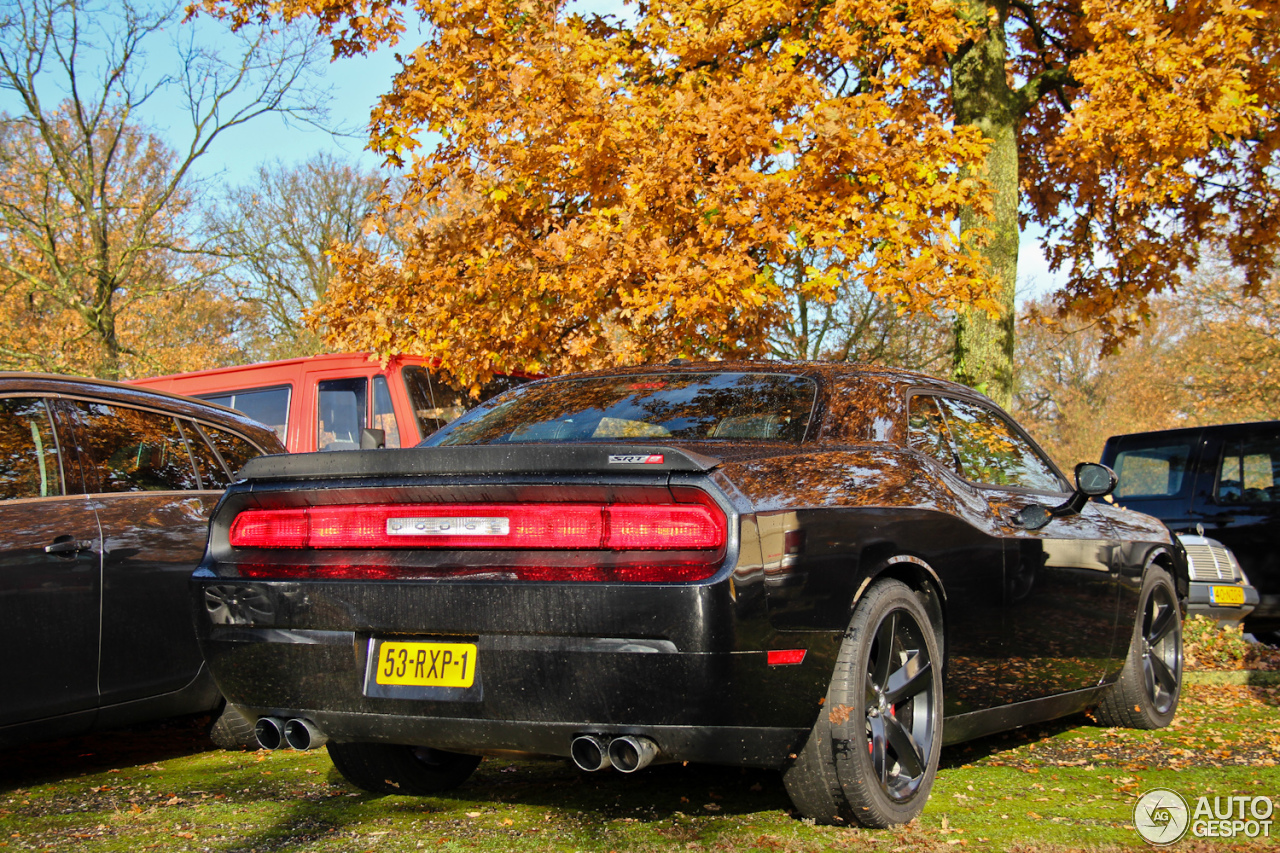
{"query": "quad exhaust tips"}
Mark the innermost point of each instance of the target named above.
(630, 753)
(590, 753)
(297, 733)
(627, 753)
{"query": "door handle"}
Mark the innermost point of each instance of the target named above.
(67, 545)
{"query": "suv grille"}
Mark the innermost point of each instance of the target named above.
(1210, 563)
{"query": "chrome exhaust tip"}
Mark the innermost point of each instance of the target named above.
(303, 734)
(630, 753)
(270, 732)
(590, 753)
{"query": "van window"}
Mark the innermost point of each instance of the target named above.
(384, 414)
(436, 403)
(268, 406)
(28, 453)
(1152, 472)
(1249, 472)
(341, 413)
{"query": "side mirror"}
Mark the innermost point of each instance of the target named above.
(1095, 480)
(373, 439)
(1092, 481)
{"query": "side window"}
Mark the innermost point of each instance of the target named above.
(341, 413)
(991, 452)
(436, 403)
(233, 449)
(268, 406)
(384, 414)
(133, 450)
(212, 474)
(1250, 472)
(1153, 472)
(28, 453)
(927, 432)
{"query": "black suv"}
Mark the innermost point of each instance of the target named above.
(1224, 480)
(105, 495)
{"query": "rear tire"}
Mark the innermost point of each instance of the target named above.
(1145, 696)
(872, 755)
(385, 768)
(232, 730)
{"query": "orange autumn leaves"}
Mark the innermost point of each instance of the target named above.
(604, 194)
(586, 190)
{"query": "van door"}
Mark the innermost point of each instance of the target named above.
(1239, 505)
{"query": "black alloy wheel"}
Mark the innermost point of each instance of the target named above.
(1145, 696)
(900, 685)
(872, 755)
(1161, 649)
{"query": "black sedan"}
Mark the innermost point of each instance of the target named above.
(829, 570)
(105, 495)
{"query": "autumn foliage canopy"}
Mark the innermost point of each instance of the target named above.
(587, 190)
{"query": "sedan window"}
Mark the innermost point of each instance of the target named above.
(234, 450)
(927, 432)
(992, 453)
(28, 453)
(133, 450)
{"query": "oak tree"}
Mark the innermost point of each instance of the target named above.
(643, 180)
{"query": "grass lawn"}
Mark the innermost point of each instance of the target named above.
(1065, 786)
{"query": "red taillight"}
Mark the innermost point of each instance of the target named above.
(610, 527)
(629, 573)
(277, 528)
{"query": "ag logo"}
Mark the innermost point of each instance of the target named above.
(1161, 816)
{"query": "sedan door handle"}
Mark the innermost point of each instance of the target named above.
(67, 545)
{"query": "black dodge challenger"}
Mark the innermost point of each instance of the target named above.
(829, 570)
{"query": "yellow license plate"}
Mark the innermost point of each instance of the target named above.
(1232, 595)
(426, 664)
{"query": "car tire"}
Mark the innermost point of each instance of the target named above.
(1270, 638)
(232, 730)
(872, 755)
(1145, 696)
(385, 768)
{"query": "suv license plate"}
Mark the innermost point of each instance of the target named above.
(426, 664)
(1232, 595)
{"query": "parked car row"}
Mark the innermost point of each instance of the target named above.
(829, 570)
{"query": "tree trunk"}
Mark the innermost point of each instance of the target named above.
(982, 97)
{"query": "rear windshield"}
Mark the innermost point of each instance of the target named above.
(680, 406)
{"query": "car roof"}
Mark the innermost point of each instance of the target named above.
(59, 384)
(1240, 426)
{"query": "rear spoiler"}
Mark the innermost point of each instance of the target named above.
(479, 459)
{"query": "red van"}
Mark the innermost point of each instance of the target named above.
(336, 402)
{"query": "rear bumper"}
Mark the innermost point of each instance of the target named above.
(553, 661)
